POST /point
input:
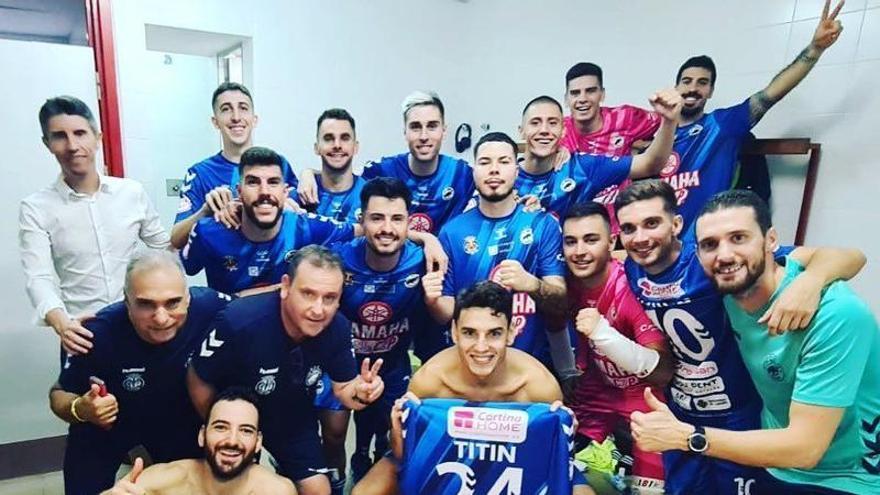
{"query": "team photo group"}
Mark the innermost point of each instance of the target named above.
(586, 307)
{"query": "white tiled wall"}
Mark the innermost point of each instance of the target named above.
(488, 57)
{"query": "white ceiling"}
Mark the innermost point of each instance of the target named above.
(189, 41)
(56, 21)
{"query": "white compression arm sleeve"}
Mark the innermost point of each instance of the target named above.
(628, 355)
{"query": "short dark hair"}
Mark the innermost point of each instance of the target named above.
(642, 190)
(258, 155)
(335, 114)
(588, 209)
(495, 137)
(701, 61)
(385, 187)
(65, 105)
(542, 99)
(486, 294)
(740, 198)
(233, 394)
(581, 69)
(316, 255)
(230, 86)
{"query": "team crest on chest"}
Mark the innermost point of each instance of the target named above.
(266, 385)
(230, 263)
(348, 279)
(411, 280)
(133, 379)
(774, 370)
(471, 246)
(448, 193)
(695, 130)
(526, 236)
(567, 185)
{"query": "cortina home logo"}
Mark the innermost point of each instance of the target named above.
(652, 290)
(493, 425)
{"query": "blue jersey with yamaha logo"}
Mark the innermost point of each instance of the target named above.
(578, 181)
(148, 381)
(436, 198)
(384, 307)
(343, 206)
(452, 447)
(248, 346)
(233, 263)
(476, 244)
(704, 157)
(711, 380)
(216, 171)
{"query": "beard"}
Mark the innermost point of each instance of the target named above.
(384, 254)
(223, 472)
(753, 273)
(249, 211)
(496, 197)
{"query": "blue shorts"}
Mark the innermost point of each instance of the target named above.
(324, 397)
(688, 473)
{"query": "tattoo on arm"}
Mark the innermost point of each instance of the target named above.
(759, 103)
(762, 101)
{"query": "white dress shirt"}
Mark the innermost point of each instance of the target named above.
(75, 247)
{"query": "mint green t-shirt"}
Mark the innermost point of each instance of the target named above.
(834, 362)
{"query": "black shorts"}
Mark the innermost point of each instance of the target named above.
(296, 445)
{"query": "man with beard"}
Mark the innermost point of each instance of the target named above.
(711, 387)
(278, 344)
(130, 389)
(338, 188)
(620, 351)
(208, 187)
(230, 438)
(583, 176)
(707, 144)
(385, 302)
(506, 242)
(441, 185)
(820, 387)
(255, 255)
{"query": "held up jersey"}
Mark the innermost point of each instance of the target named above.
(454, 447)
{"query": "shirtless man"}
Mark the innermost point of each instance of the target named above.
(230, 438)
(479, 367)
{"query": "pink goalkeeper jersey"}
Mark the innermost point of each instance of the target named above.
(621, 127)
(605, 388)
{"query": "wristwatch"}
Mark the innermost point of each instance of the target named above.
(697, 442)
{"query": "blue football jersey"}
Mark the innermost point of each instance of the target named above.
(454, 447)
(476, 244)
(233, 263)
(216, 171)
(436, 198)
(344, 206)
(578, 181)
(704, 157)
(148, 381)
(384, 307)
(711, 380)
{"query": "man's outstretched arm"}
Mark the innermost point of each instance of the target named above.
(826, 34)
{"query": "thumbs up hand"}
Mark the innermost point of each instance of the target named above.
(127, 485)
(98, 410)
(657, 430)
